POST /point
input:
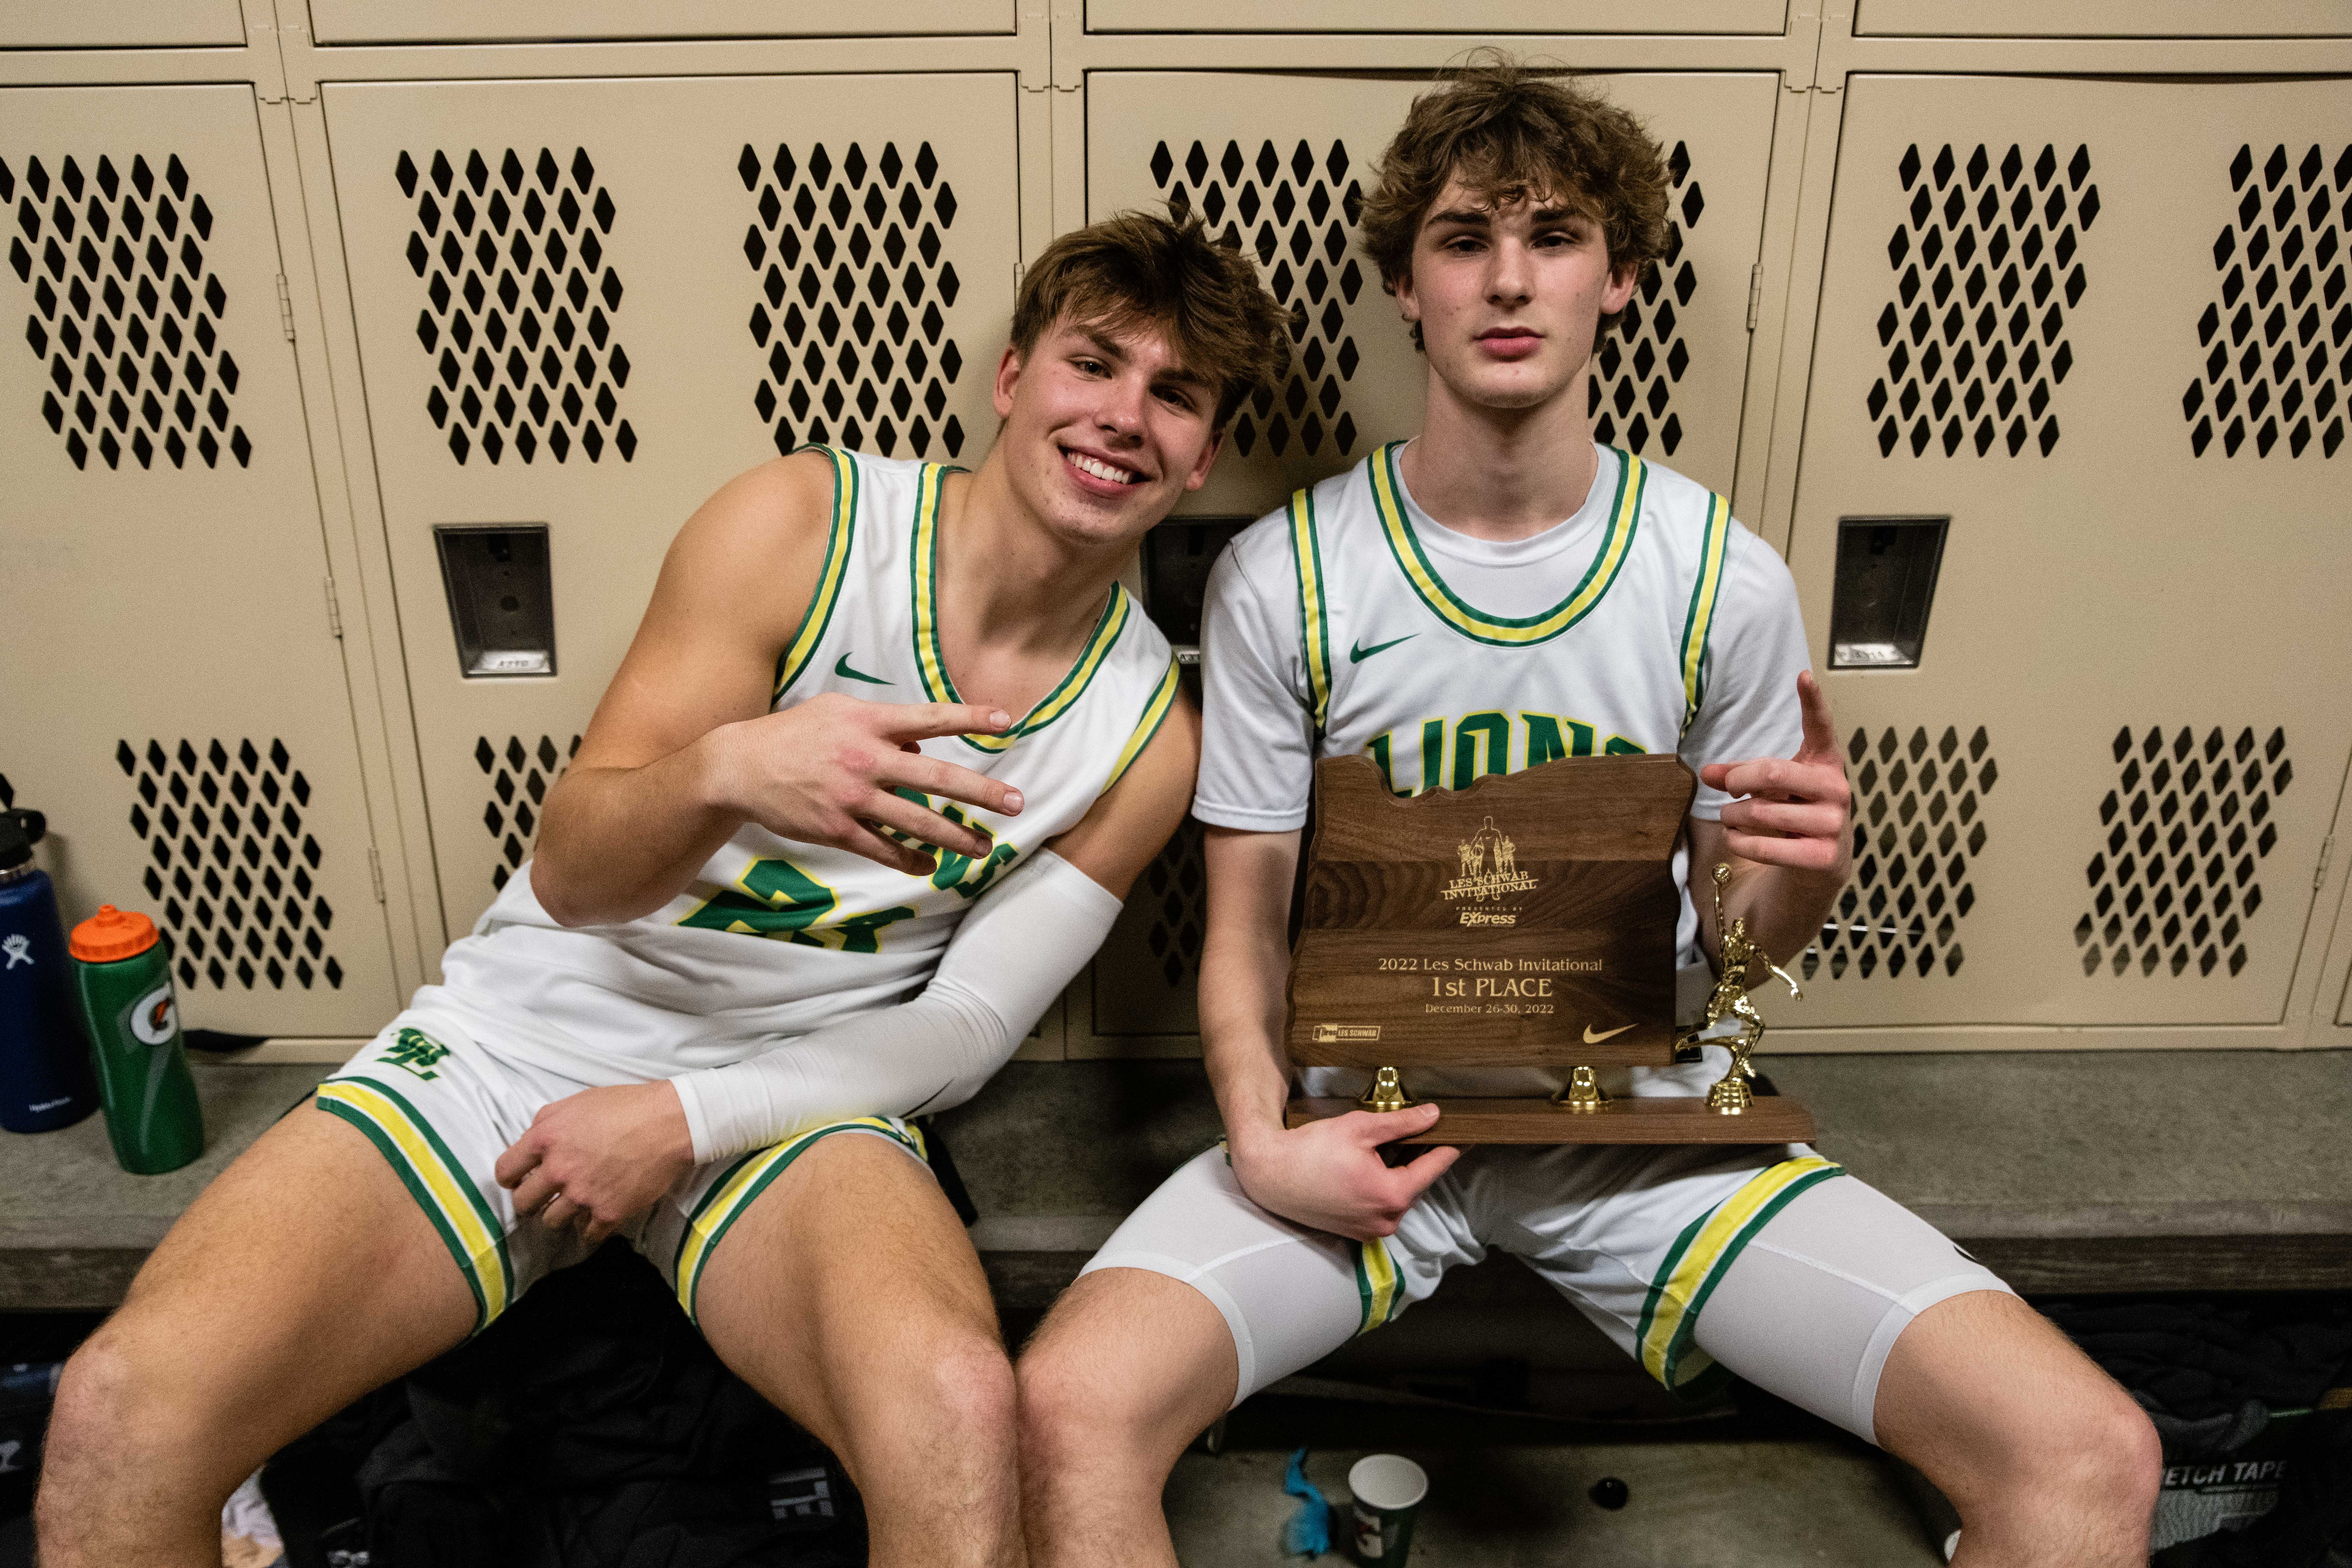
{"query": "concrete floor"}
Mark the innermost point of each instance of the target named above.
(1720, 1504)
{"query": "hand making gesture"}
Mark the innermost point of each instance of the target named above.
(830, 770)
(1791, 811)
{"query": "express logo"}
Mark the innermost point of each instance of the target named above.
(155, 1018)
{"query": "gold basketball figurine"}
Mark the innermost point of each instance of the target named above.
(1730, 1096)
(1387, 1092)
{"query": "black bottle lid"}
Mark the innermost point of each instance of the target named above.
(19, 831)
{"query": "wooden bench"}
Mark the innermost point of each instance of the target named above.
(2067, 1172)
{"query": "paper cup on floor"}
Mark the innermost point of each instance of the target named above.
(1388, 1489)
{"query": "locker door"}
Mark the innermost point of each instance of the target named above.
(2102, 18)
(107, 24)
(2101, 326)
(587, 304)
(1281, 164)
(1464, 16)
(434, 21)
(176, 700)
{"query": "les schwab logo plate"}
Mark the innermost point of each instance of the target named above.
(1489, 869)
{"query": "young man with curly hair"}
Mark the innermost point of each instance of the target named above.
(1497, 592)
(889, 747)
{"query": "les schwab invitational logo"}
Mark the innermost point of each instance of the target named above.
(1489, 871)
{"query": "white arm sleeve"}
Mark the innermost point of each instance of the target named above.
(1016, 949)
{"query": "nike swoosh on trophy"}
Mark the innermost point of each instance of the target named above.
(1359, 653)
(840, 667)
(1592, 1039)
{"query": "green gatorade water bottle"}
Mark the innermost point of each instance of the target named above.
(123, 978)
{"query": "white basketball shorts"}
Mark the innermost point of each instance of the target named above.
(1769, 1261)
(442, 1108)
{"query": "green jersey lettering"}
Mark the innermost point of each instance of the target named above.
(863, 933)
(1482, 748)
(1433, 754)
(1544, 739)
(777, 899)
(1495, 730)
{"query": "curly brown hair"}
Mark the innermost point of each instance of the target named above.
(1508, 131)
(1140, 269)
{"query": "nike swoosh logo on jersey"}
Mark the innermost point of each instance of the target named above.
(842, 669)
(1358, 654)
(1592, 1039)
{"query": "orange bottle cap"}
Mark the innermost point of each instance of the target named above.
(112, 934)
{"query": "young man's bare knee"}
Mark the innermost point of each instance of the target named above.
(1089, 1399)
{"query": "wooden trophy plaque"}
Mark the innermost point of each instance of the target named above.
(1528, 921)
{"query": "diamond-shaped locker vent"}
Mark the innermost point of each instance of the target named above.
(521, 775)
(854, 281)
(1986, 265)
(1173, 891)
(2273, 337)
(126, 317)
(1636, 368)
(232, 863)
(1917, 827)
(520, 298)
(2186, 830)
(1297, 213)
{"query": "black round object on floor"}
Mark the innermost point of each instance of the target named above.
(1610, 1493)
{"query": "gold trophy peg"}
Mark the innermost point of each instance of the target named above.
(1583, 1093)
(1387, 1092)
(1730, 1095)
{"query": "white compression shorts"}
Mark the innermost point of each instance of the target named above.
(1770, 1262)
(1014, 953)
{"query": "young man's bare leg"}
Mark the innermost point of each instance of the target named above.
(305, 1276)
(2046, 1459)
(849, 1296)
(1126, 1371)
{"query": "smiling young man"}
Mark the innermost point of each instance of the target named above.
(738, 930)
(1497, 592)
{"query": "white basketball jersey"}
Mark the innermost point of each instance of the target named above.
(774, 937)
(1333, 630)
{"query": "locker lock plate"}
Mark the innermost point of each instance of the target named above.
(501, 598)
(1886, 569)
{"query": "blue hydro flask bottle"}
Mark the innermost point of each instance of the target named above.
(45, 1077)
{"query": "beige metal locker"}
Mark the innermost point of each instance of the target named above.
(176, 698)
(585, 305)
(1281, 161)
(2101, 327)
(1412, 17)
(522, 21)
(107, 24)
(2104, 18)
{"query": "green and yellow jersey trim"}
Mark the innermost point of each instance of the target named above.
(1377, 1285)
(744, 1181)
(1314, 628)
(1507, 631)
(1715, 551)
(1696, 1262)
(795, 657)
(435, 1178)
(1155, 713)
(931, 659)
